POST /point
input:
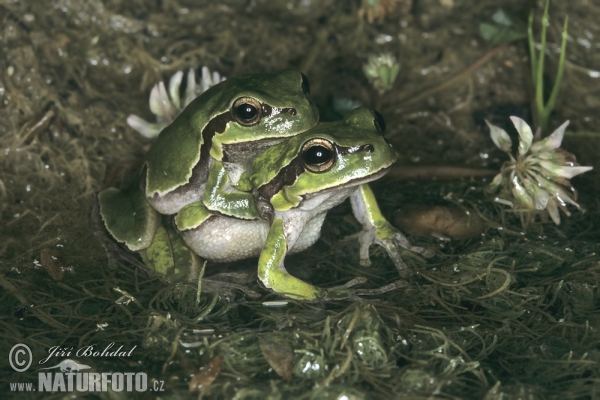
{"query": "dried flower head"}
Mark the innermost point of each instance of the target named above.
(382, 71)
(380, 9)
(167, 105)
(538, 178)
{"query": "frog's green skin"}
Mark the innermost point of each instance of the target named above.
(294, 191)
(201, 155)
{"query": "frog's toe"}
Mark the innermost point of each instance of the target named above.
(340, 294)
(396, 257)
(344, 291)
(383, 289)
(394, 246)
(403, 242)
(365, 239)
(425, 252)
(354, 294)
(365, 262)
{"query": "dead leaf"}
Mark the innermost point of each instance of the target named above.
(206, 376)
(455, 222)
(279, 354)
(53, 263)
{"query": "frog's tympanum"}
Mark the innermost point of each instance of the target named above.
(242, 173)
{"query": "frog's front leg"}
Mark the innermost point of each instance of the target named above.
(219, 195)
(376, 229)
(273, 274)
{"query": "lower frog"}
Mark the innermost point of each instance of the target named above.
(295, 183)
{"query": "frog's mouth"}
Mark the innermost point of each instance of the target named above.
(355, 182)
(373, 177)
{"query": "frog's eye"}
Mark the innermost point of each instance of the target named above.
(305, 84)
(379, 122)
(246, 111)
(318, 155)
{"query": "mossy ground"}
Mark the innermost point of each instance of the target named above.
(510, 314)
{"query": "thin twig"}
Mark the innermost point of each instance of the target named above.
(465, 73)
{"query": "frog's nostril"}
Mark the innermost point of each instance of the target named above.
(292, 111)
(369, 148)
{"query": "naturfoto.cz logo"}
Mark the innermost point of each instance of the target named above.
(70, 375)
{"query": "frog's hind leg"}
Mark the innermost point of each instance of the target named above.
(272, 272)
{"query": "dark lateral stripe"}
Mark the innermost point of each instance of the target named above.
(289, 174)
(342, 151)
(216, 125)
(267, 110)
(200, 170)
(286, 177)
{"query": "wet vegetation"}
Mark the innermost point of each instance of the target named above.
(510, 312)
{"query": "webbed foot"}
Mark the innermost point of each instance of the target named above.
(346, 292)
(393, 241)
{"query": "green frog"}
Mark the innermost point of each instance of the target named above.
(294, 184)
(203, 152)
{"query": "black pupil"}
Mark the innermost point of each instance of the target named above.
(305, 85)
(246, 111)
(317, 155)
(379, 122)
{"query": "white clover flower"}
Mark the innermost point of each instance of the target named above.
(382, 71)
(538, 178)
(167, 105)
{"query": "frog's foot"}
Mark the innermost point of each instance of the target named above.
(114, 250)
(392, 240)
(293, 288)
(346, 292)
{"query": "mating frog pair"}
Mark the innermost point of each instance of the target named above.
(245, 171)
